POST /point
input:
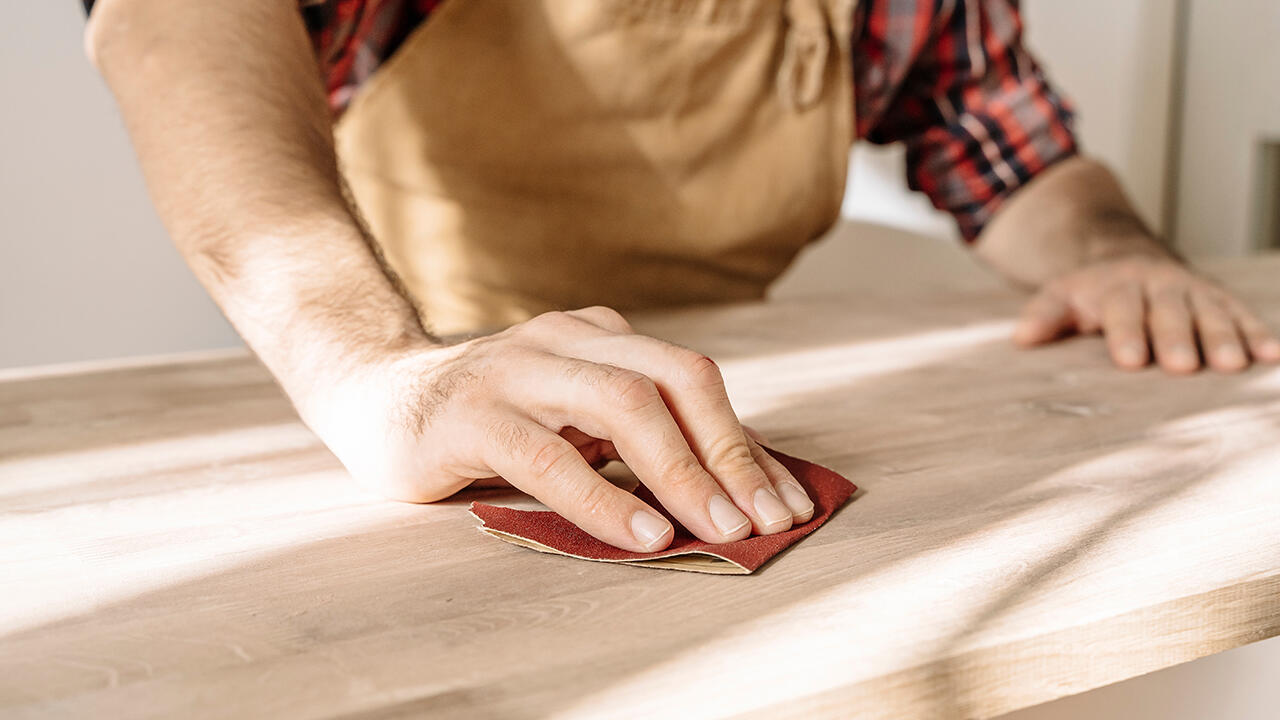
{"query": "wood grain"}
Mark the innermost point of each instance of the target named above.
(1031, 525)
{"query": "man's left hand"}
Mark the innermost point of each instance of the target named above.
(1143, 304)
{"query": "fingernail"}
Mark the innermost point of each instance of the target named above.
(796, 499)
(728, 519)
(650, 529)
(1270, 349)
(770, 508)
(1184, 356)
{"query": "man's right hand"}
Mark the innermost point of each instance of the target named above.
(232, 89)
(521, 404)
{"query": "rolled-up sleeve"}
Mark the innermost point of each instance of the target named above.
(976, 113)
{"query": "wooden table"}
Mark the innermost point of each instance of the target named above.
(1031, 525)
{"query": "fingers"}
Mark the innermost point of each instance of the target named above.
(549, 468)
(1182, 317)
(1124, 328)
(666, 411)
(1220, 341)
(786, 485)
(1169, 322)
(1047, 316)
(626, 407)
(1262, 341)
(693, 390)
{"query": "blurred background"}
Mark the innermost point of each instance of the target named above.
(1178, 96)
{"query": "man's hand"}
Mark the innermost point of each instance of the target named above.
(265, 226)
(537, 404)
(1072, 233)
(1144, 303)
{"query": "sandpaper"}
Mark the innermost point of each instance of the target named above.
(546, 531)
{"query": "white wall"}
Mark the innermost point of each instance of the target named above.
(1115, 59)
(86, 271)
(1232, 103)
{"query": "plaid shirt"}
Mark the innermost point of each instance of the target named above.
(949, 78)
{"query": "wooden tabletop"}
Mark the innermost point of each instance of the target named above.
(1031, 524)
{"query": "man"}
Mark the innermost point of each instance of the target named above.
(517, 157)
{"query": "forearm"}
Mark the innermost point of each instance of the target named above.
(226, 110)
(1072, 215)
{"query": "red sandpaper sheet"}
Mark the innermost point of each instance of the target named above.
(547, 531)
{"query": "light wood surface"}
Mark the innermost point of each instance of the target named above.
(1031, 524)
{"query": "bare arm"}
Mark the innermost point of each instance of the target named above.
(225, 107)
(1072, 234)
(227, 113)
(990, 140)
(1073, 214)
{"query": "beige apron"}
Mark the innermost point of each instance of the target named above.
(519, 156)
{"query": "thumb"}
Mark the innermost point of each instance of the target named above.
(1047, 316)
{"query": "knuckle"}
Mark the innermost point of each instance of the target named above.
(1208, 297)
(698, 370)
(610, 317)
(1168, 297)
(575, 371)
(548, 459)
(1236, 305)
(595, 499)
(1172, 277)
(730, 454)
(1256, 329)
(556, 320)
(1119, 294)
(633, 391)
(683, 473)
(1246, 318)
(1213, 318)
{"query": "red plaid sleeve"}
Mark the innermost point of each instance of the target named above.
(975, 111)
(353, 37)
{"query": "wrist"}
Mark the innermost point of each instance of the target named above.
(1110, 247)
(1120, 236)
(1073, 215)
(314, 302)
(336, 380)
(1113, 232)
